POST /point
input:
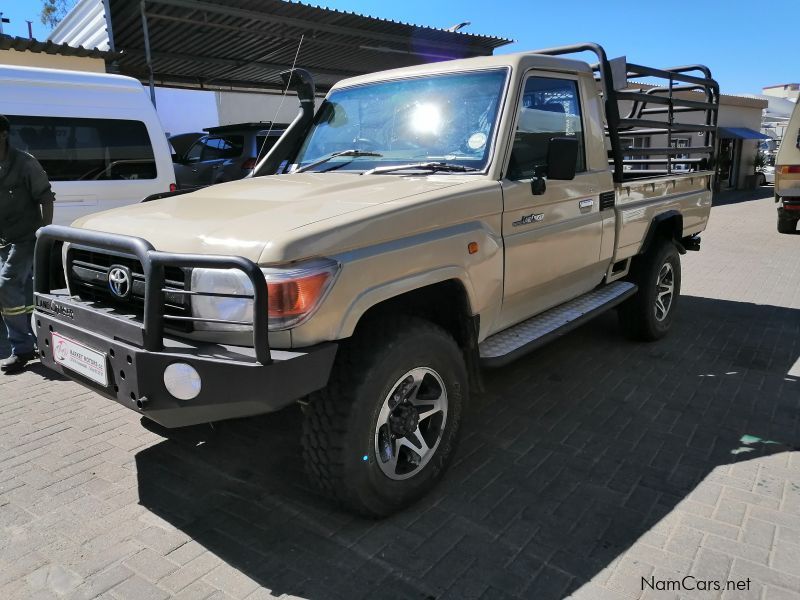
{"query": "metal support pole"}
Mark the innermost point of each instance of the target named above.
(148, 57)
(109, 28)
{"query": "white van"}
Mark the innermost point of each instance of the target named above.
(97, 136)
(787, 175)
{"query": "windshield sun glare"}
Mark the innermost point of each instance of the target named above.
(448, 118)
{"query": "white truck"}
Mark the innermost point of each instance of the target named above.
(422, 224)
(787, 176)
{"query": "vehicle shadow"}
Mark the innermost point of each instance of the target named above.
(569, 456)
(738, 196)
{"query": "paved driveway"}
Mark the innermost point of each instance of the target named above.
(594, 468)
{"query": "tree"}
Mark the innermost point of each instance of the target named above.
(54, 10)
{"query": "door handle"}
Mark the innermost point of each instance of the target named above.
(587, 203)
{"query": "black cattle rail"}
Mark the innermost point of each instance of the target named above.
(153, 264)
(674, 93)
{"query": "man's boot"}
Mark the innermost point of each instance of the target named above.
(16, 362)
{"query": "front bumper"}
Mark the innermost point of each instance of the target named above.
(234, 383)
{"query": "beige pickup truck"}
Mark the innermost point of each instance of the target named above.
(420, 225)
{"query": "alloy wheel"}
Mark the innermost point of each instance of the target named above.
(411, 423)
(665, 290)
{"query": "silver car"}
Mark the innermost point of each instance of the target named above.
(226, 153)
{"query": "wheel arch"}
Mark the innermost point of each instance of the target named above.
(431, 295)
(667, 225)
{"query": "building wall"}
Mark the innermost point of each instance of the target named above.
(52, 61)
(184, 111)
(238, 107)
(790, 91)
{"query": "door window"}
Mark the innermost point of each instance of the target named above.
(219, 148)
(550, 108)
(635, 142)
(195, 152)
(76, 149)
(681, 143)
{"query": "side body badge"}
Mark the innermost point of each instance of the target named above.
(528, 219)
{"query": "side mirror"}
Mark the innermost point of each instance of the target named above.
(175, 158)
(562, 155)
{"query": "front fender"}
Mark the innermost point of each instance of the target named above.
(378, 273)
(391, 289)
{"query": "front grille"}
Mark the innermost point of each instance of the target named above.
(87, 274)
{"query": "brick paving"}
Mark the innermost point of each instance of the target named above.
(583, 468)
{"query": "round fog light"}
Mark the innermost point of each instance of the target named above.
(182, 381)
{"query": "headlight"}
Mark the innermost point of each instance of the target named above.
(221, 281)
(294, 294)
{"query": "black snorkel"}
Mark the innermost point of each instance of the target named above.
(300, 82)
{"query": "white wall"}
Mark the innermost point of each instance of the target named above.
(238, 107)
(182, 111)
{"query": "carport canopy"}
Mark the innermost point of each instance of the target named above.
(245, 44)
(741, 133)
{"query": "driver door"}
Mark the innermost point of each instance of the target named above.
(552, 241)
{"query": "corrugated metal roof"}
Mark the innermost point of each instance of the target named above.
(85, 25)
(244, 44)
(8, 42)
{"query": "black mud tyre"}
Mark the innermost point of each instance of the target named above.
(381, 434)
(787, 225)
(647, 316)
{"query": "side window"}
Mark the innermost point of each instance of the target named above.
(77, 149)
(195, 152)
(219, 148)
(550, 108)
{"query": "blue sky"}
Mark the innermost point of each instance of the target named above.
(747, 44)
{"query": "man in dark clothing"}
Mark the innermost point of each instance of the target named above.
(26, 203)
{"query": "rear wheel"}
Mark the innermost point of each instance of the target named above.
(648, 314)
(762, 180)
(382, 433)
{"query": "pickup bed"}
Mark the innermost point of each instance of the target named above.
(421, 225)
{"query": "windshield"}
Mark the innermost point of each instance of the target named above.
(438, 118)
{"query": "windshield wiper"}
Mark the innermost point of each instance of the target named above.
(355, 153)
(428, 166)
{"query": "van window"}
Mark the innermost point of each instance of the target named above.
(74, 149)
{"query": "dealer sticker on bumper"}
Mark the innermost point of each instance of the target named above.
(77, 357)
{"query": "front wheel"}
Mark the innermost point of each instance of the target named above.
(648, 315)
(381, 434)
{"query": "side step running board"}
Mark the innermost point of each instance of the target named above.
(509, 344)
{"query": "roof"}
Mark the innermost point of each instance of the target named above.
(245, 44)
(19, 44)
(63, 76)
(516, 60)
(263, 125)
(780, 85)
(746, 100)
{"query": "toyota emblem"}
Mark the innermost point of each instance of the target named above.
(119, 281)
